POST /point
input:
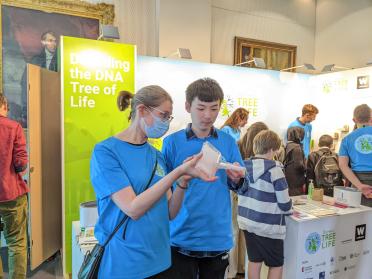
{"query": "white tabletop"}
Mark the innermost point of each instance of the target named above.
(314, 209)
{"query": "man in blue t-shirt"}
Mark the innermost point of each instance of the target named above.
(201, 234)
(355, 155)
(309, 113)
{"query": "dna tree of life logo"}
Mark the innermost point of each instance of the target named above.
(312, 243)
(363, 144)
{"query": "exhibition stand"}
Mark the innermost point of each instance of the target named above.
(322, 241)
(334, 244)
(93, 72)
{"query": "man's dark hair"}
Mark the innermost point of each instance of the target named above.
(325, 140)
(43, 36)
(3, 100)
(205, 89)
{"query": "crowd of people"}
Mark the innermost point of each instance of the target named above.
(183, 223)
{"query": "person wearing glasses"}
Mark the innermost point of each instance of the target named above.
(121, 168)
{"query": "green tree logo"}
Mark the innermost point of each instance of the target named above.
(225, 109)
(363, 144)
(312, 243)
(227, 106)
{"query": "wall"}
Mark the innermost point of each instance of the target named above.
(341, 32)
(325, 31)
(256, 96)
(159, 27)
(208, 27)
(137, 21)
(185, 24)
(271, 96)
(289, 22)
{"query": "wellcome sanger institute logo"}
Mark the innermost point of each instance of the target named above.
(312, 243)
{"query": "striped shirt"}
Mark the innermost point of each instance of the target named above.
(262, 207)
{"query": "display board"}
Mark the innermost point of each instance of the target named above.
(264, 93)
(271, 96)
(92, 74)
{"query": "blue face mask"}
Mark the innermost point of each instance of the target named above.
(158, 129)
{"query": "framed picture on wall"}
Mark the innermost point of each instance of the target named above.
(30, 32)
(276, 56)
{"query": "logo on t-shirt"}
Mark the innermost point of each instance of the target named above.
(363, 144)
(160, 171)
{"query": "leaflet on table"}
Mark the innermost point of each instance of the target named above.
(315, 210)
(302, 215)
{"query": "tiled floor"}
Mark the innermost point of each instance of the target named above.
(51, 269)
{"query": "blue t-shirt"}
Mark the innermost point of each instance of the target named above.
(235, 133)
(144, 249)
(307, 138)
(204, 220)
(358, 147)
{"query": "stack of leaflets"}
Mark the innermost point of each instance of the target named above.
(86, 237)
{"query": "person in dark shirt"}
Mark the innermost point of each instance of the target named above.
(294, 161)
(47, 58)
(325, 145)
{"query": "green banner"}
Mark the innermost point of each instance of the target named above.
(92, 74)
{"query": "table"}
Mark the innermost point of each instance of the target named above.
(338, 246)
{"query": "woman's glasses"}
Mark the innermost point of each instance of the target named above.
(164, 115)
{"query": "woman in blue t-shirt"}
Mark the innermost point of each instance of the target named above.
(121, 167)
(237, 120)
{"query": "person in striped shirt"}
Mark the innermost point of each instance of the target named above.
(263, 202)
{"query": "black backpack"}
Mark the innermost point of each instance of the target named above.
(327, 172)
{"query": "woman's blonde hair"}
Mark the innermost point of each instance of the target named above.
(265, 141)
(236, 117)
(150, 96)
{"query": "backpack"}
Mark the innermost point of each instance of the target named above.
(327, 172)
(286, 156)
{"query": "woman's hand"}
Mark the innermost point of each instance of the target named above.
(189, 171)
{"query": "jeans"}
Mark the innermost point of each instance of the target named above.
(14, 216)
